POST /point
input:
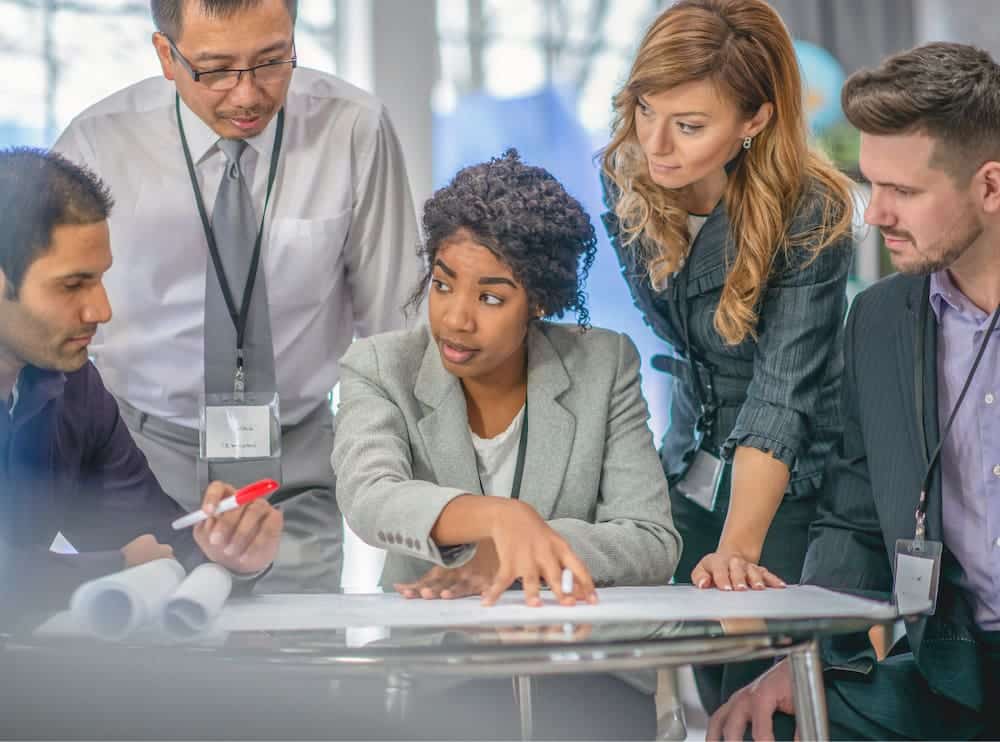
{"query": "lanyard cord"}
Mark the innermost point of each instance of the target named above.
(240, 316)
(522, 446)
(921, 514)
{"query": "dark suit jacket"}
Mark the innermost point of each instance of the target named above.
(873, 486)
(778, 392)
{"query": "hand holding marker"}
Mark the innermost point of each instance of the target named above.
(242, 497)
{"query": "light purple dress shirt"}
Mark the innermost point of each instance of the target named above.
(970, 457)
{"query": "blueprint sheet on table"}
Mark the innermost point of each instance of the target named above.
(617, 604)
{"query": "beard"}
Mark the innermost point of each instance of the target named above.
(945, 252)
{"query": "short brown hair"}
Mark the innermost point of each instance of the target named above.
(951, 92)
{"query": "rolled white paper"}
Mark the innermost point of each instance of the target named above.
(114, 606)
(197, 602)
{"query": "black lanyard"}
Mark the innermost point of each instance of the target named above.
(918, 365)
(706, 406)
(242, 314)
(522, 446)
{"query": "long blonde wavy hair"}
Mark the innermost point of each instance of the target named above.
(743, 48)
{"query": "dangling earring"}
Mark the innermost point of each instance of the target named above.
(747, 142)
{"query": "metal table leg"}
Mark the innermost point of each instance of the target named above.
(397, 696)
(809, 693)
(670, 722)
(522, 692)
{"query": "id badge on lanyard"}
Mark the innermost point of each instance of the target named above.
(241, 425)
(917, 570)
(700, 482)
(917, 564)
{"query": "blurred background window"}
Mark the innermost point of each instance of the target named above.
(60, 56)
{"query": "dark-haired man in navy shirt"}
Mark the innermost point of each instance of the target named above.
(67, 461)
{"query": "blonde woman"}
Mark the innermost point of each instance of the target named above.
(735, 240)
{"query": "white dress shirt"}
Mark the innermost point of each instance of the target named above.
(339, 250)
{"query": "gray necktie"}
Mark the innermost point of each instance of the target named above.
(235, 227)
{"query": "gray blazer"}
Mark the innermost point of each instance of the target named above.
(403, 450)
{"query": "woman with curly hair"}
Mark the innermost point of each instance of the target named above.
(490, 398)
(735, 239)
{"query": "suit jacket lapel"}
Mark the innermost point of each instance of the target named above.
(924, 432)
(907, 373)
(551, 426)
(708, 253)
(445, 427)
(931, 421)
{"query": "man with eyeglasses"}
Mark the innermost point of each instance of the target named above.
(264, 219)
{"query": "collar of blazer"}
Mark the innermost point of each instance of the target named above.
(710, 254)
(924, 432)
(551, 426)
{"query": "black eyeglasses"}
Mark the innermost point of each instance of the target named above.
(228, 79)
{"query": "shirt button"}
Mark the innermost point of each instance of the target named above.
(997, 543)
(996, 470)
(989, 399)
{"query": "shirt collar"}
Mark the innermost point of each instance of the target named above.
(202, 141)
(33, 389)
(945, 294)
(14, 394)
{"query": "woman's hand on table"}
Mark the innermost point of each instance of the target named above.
(472, 578)
(529, 549)
(518, 543)
(729, 570)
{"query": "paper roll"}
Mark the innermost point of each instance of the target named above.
(197, 602)
(114, 606)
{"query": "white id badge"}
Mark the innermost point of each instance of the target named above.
(700, 483)
(918, 565)
(238, 426)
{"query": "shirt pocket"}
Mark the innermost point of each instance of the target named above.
(303, 261)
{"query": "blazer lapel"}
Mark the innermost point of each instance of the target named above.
(924, 432)
(931, 423)
(907, 373)
(706, 268)
(551, 426)
(445, 427)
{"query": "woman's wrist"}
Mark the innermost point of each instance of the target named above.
(744, 547)
(470, 519)
(502, 513)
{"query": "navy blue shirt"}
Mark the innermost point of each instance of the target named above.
(68, 464)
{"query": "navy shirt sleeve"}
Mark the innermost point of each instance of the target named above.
(119, 498)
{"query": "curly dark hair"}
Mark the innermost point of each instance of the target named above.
(528, 220)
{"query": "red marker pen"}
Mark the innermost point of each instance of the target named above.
(243, 496)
